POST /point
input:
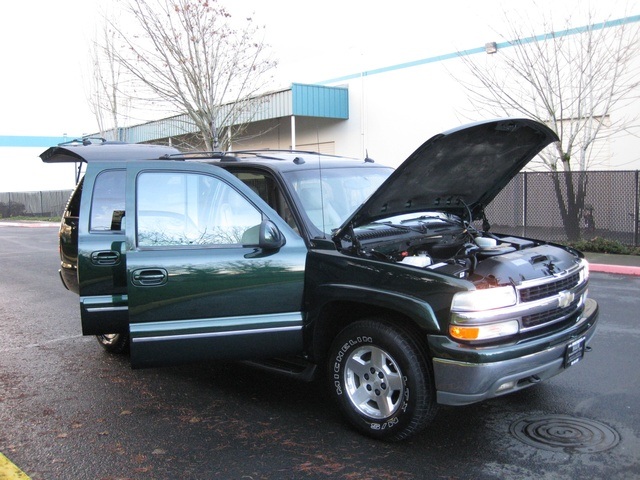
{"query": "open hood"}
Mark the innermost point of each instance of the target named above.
(457, 171)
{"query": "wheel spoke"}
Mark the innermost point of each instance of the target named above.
(386, 406)
(356, 365)
(360, 396)
(378, 358)
(394, 381)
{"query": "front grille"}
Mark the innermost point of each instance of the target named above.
(550, 316)
(537, 292)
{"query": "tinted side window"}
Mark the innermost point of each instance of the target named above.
(265, 186)
(176, 208)
(107, 204)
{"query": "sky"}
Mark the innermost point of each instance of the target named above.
(44, 44)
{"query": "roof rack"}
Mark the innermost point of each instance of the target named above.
(85, 141)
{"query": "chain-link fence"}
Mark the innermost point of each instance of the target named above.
(33, 204)
(529, 206)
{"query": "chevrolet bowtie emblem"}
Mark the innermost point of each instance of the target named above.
(565, 298)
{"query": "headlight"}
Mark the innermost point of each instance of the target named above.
(485, 299)
(584, 273)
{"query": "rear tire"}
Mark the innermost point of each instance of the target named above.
(114, 342)
(381, 380)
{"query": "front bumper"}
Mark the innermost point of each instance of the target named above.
(465, 375)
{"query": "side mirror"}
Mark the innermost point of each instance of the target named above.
(270, 237)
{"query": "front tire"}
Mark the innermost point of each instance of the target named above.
(114, 342)
(381, 381)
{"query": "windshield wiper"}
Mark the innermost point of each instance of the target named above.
(421, 229)
(426, 217)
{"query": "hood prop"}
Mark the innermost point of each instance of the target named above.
(486, 226)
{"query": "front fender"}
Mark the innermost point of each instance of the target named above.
(419, 311)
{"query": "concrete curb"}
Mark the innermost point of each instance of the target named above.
(30, 224)
(618, 269)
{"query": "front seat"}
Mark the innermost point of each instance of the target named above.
(325, 218)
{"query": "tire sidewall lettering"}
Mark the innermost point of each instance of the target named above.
(414, 403)
(395, 420)
(340, 356)
(405, 403)
(392, 422)
(337, 366)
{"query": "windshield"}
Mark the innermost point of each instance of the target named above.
(329, 196)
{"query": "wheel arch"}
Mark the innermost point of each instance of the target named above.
(347, 305)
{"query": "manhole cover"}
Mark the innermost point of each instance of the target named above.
(565, 434)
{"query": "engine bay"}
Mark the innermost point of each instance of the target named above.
(445, 244)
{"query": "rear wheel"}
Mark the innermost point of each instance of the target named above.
(381, 380)
(114, 342)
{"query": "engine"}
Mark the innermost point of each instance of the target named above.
(445, 244)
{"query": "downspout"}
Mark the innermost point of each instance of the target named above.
(293, 132)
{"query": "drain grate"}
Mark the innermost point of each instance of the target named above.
(565, 434)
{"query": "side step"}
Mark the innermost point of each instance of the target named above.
(294, 367)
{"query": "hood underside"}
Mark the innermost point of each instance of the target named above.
(457, 171)
(109, 151)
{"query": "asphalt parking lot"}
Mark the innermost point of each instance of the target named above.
(68, 410)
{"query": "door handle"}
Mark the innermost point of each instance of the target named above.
(149, 277)
(105, 257)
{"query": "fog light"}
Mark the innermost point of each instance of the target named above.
(506, 386)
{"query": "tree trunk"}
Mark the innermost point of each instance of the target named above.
(570, 201)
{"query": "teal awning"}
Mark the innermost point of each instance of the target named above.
(320, 101)
(300, 100)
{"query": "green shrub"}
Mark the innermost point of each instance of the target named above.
(603, 245)
(11, 209)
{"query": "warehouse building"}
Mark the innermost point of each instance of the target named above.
(383, 113)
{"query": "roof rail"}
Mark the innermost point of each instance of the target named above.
(85, 141)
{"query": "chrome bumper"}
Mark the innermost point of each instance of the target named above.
(461, 382)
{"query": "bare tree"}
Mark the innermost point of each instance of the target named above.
(106, 100)
(577, 81)
(186, 56)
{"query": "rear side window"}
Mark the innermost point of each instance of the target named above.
(264, 185)
(107, 204)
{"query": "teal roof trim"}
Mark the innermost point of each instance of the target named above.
(320, 101)
(31, 141)
(473, 51)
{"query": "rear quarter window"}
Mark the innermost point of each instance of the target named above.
(107, 203)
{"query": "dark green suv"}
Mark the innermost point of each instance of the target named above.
(375, 280)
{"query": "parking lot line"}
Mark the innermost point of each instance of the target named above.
(8, 471)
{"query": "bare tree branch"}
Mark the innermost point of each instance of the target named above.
(187, 56)
(106, 101)
(573, 80)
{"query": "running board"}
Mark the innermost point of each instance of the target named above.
(291, 367)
